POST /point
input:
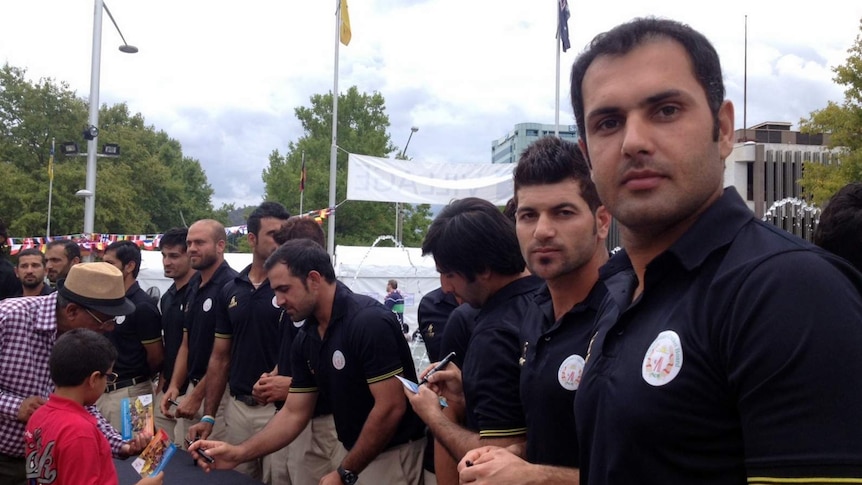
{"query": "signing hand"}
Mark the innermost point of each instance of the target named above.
(225, 456)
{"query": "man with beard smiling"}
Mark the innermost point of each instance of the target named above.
(206, 241)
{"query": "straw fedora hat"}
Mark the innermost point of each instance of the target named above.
(97, 286)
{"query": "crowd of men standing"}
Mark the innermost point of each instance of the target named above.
(712, 348)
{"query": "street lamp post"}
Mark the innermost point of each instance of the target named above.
(399, 219)
(91, 133)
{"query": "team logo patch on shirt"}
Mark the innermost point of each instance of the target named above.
(299, 324)
(338, 360)
(571, 371)
(274, 302)
(663, 359)
(120, 319)
(208, 304)
(233, 302)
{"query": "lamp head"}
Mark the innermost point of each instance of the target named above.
(128, 49)
(91, 132)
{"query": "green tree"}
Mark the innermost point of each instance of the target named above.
(844, 123)
(151, 187)
(362, 128)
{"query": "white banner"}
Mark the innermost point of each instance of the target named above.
(413, 182)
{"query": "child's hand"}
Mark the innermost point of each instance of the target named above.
(154, 480)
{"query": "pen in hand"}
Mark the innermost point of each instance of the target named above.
(443, 363)
(200, 451)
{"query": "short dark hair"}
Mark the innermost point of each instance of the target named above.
(840, 227)
(70, 247)
(264, 210)
(302, 256)
(550, 160)
(31, 252)
(300, 227)
(77, 354)
(175, 236)
(471, 236)
(127, 252)
(624, 38)
(393, 284)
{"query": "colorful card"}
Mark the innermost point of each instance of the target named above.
(137, 415)
(155, 456)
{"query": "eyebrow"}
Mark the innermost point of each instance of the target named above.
(649, 100)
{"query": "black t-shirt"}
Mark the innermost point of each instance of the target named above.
(251, 319)
(10, 285)
(132, 332)
(491, 374)
(434, 310)
(201, 307)
(363, 345)
(173, 316)
(552, 363)
(739, 359)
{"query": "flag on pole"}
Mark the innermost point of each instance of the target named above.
(345, 24)
(51, 164)
(562, 24)
(302, 176)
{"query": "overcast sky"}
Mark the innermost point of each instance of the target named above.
(224, 77)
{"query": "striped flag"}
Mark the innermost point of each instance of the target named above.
(345, 24)
(563, 24)
(302, 176)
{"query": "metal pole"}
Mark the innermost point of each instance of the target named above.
(333, 160)
(50, 187)
(302, 179)
(90, 202)
(558, 42)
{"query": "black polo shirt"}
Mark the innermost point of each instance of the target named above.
(10, 285)
(363, 345)
(434, 310)
(46, 290)
(552, 363)
(457, 332)
(251, 319)
(173, 316)
(739, 359)
(201, 308)
(132, 332)
(491, 374)
(289, 330)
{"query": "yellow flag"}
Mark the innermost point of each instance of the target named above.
(345, 24)
(51, 165)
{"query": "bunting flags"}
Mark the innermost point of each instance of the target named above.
(345, 24)
(563, 24)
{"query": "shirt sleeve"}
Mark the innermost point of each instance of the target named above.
(302, 379)
(115, 440)
(148, 323)
(223, 325)
(375, 339)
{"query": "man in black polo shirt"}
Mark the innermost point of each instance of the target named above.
(728, 350)
(476, 252)
(60, 256)
(349, 351)
(137, 337)
(562, 229)
(30, 269)
(434, 309)
(178, 267)
(248, 332)
(206, 242)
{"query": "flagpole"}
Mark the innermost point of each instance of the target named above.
(333, 161)
(557, 44)
(50, 187)
(302, 182)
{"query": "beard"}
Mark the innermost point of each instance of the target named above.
(206, 262)
(31, 283)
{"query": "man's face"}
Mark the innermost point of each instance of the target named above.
(298, 301)
(30, 271)
(77, 316)
(263, 243)
(56, 263)
(202, 247)
(649, 134)
(176, 262)
(466, 291)
(557, 232)
(111, 258)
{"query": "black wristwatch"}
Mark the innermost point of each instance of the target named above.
(347, 476)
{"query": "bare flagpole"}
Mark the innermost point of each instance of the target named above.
(745, 86)
(50, 187)
(557, 45)
(333, 154)
(302, 182)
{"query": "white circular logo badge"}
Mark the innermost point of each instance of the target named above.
(274, 302)
(663, 359)
(570, 372)
(120, 319)
(299, 324)
(208, 304)
(338, 360)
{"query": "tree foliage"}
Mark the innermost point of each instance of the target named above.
(362, 128)
(844, 123)
(150, 188)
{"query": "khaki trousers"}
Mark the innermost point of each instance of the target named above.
(315, 452)
(242, 422)
(401, 465)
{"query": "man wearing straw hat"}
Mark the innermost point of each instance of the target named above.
(92, 296)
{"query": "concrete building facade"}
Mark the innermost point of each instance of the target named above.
(508, 149)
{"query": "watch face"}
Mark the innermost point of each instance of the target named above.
(347, 476)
